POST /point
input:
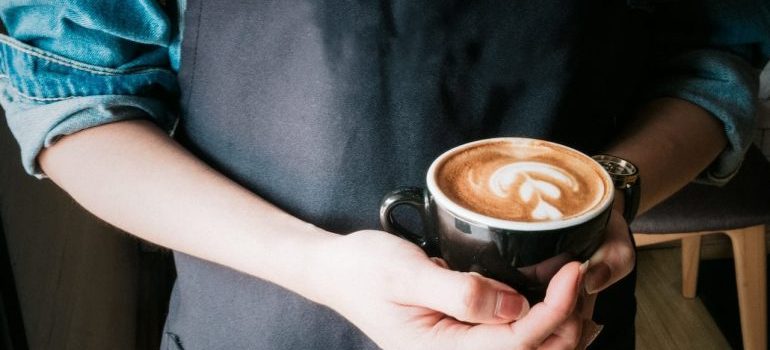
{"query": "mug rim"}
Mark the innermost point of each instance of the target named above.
(468, 215)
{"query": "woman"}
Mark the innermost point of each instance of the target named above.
(297, 117)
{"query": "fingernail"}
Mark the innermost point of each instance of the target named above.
(439, 262)
(511, 306)
(597, 276)
(582, 278)
(591, 330)
(584, 267)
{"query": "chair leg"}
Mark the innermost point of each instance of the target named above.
(750, 270)
(690, 263)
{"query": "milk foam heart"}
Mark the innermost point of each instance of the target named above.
(522, 181)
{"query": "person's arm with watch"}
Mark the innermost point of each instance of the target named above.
(670, 143)
(698, 127)
(701, 133)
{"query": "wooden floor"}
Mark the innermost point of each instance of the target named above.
(666, 320)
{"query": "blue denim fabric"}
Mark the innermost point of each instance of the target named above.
(714, 60)
(76, 64)
(117, 34)
(724, 85)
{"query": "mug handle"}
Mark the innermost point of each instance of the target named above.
(419, 199)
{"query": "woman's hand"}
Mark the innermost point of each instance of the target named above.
(401, 299)
(614, 260)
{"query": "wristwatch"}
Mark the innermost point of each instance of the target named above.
(625, 177)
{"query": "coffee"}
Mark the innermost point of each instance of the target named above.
(522, 180)
(512, 209)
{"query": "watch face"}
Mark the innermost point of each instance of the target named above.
(619, 168)
(625, 177)
(622, 171)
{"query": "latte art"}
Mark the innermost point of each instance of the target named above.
(525, 175)
(524, 181)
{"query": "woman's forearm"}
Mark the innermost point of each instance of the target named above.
(671, 141)
(135, 177)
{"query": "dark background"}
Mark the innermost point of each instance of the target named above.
(81, 284)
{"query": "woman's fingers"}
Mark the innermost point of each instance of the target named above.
(589, 333)
(614, 259)
(468, 297)
(543, 271)
(545, 318)
(566, 336)
(552, 323)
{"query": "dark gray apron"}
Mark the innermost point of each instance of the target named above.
(321, 107)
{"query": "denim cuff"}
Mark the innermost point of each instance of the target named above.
(39, 125)
(46, 96)
(724, 85)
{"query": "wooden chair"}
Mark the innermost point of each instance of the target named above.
(740, 210)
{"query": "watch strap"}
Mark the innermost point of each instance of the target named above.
(631, 200)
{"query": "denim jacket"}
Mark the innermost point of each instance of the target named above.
(74, 64)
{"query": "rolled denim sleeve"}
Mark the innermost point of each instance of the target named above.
(725, 86)
(71, 65)
(710, 54)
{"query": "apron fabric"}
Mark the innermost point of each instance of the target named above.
(321, 107)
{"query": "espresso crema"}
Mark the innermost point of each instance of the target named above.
(522, 180)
